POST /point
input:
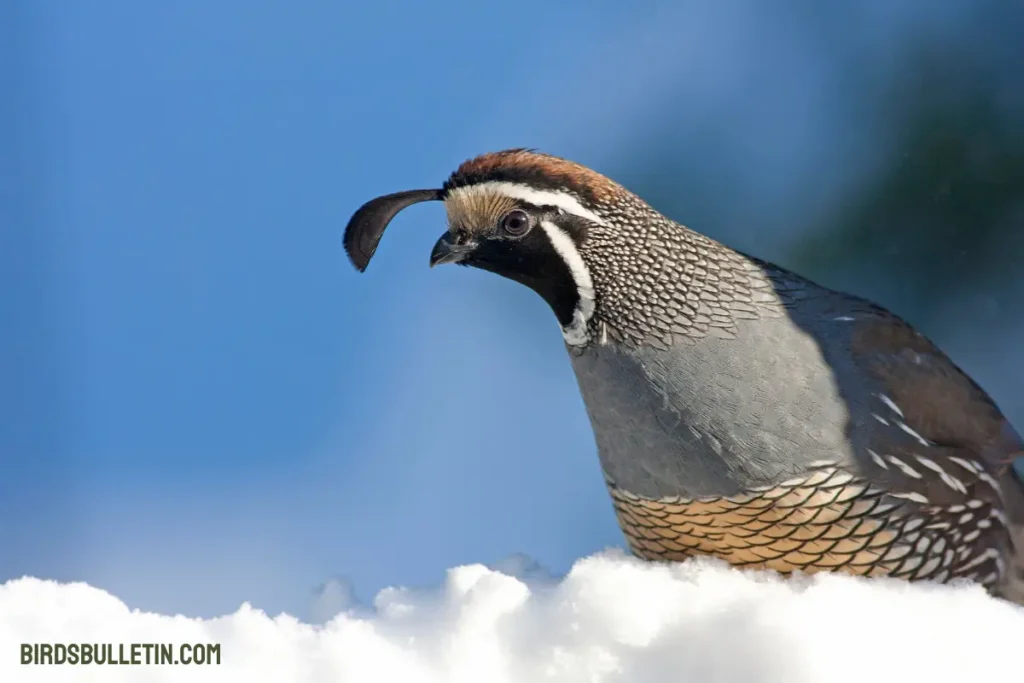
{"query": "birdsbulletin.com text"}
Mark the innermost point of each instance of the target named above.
(138, 654)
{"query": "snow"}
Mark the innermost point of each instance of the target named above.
(612, 618)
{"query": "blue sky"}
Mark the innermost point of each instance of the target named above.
(208, 404)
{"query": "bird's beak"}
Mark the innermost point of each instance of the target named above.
(450, 249)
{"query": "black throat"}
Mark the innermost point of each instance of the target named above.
(534, 262)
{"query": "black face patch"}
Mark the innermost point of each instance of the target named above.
(531, 261)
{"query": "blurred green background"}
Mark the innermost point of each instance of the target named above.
(916, 201)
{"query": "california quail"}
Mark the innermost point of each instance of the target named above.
(740, 410)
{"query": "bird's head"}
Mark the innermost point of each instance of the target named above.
(518, 213)
(605, 261)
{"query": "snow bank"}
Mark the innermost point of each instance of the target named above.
(611, 619)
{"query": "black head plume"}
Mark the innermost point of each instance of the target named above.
(367, 225)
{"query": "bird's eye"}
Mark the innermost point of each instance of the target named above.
(516, 222)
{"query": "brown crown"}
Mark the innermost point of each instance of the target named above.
(535, 169)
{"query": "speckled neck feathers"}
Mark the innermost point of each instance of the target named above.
(658, 282)
(654, 281)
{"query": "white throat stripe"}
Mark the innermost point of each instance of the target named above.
(575, 333)
(564, 201)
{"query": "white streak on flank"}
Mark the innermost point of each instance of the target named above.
(575, 333)
(904, 467)
(987, 478)
(930, 464)
(974, 504)
(973, 536)
(969, 465)
(990, 554)
(843, 318)
(880, 419)
(908, 430)
(892, 406)
(998, 516)
(878, 459)
(951, 482)
(561, 200)
(916, 497)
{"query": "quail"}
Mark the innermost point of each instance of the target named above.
(740, 410)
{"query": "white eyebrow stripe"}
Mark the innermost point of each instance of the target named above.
(562, 200)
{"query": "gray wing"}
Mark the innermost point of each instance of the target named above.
(933, 438)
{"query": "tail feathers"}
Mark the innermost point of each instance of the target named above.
(1012, 587)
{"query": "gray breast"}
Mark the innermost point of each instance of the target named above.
(715, 416)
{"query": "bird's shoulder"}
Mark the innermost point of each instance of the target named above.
(923, 395)
(934, 397)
